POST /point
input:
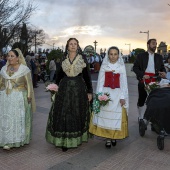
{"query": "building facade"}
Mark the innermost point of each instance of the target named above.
(163, 49)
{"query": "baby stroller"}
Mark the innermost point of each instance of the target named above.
(158, 113)
(43, 75)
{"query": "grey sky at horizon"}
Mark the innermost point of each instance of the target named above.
(109, 22)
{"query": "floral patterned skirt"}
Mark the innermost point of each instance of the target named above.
(69, 115)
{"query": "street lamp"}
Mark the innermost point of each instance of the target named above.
(35, 32)
(95, 44)
(129, 47)
(147, 32)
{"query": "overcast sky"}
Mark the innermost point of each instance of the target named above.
(109, 22)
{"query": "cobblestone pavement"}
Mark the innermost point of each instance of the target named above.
(133, 153)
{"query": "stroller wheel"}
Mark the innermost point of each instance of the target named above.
(142, 127)
(160, 142)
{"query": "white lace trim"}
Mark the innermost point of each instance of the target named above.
(75, 68)
(22, 71)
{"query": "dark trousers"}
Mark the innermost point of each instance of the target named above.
(142, 95)
(35, 78)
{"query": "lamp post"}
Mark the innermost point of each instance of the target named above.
(121, 51)
(147, 32)
(35, 32)
(129, 47)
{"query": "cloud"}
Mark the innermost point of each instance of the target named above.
(84, 30)
(104, 21)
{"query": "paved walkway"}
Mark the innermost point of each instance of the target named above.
(133, 153)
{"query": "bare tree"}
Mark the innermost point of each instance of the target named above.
(36, 38)
(12, 14)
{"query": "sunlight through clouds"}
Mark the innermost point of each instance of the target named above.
(109, 22)
(77, 30)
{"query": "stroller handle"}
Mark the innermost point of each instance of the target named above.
(151, 77)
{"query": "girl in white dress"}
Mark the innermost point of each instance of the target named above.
(112, 121)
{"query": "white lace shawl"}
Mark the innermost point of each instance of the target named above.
(75, 68)
(22, 71)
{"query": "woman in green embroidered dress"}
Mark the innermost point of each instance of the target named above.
(68, 121)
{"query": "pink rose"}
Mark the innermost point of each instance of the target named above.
(52, 87)
(103, 98)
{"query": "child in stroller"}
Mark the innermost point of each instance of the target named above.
(158, 112)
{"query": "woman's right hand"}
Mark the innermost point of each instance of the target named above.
(29, 99)
(89, 95)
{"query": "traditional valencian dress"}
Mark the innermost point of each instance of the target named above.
(112, 121)
(15, 111)
(69, 117)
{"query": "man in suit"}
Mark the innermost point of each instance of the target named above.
(146, 64)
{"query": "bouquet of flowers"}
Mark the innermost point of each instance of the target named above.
(53, 88)
(151, 86)
(100, 100)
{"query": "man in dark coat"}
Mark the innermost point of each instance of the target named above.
(147, 64)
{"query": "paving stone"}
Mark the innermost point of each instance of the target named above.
(133, 153)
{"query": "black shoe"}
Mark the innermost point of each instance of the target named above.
(152, 128)
(108, 144)
(64, 149)
(114, 142)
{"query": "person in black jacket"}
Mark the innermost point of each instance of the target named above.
(147, 64)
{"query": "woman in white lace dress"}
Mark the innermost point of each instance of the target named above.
(16, 101)
(112, 121)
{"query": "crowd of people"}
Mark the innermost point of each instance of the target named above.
(71, 119)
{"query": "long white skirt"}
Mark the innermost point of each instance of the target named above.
(110, 116)
(12, 117)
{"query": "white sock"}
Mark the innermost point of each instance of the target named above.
(141, 111)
